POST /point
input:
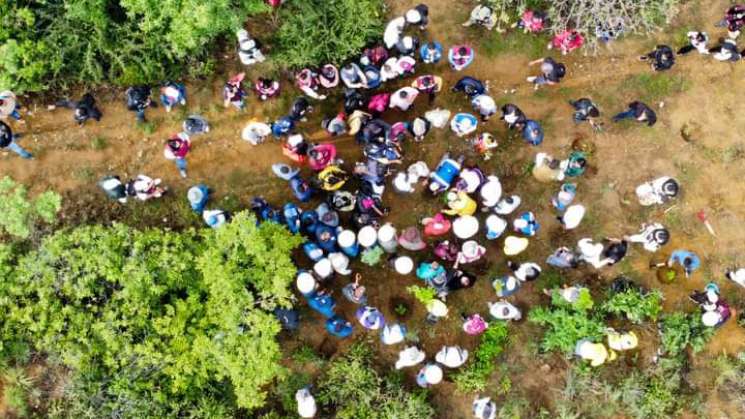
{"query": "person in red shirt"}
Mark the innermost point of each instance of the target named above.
(176, 149)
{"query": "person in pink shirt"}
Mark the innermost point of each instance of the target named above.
(567, 41)
(176, 149)
(321, 156)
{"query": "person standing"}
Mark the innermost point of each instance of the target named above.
(176, 149)
(138, 99)
(8, 140)
(9, 106)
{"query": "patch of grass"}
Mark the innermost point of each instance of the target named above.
(687, 172)
(148, 127)
(99, 143)
(85, 174)
(733, 153)
(550, 279)
(653, 87)
(305, 354)
(533, 46)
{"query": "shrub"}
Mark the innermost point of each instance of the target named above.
(356, 390)
(473, 378)
(315, 32)
(567, 323)
(19, 214)
(635, 304)
(50, 44)
(423, 294)
(680, 330)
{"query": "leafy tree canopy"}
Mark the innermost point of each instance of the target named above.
(19, 213)
(154, 323)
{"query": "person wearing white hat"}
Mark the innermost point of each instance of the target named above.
(255, 132)
(470, 252)
(736, 275)
(484, 408)
(465, 226)
(711, 318)
(470, 179)
(527, 271)
(306, 403)
(409, 357)
(502, 310)
(515, 245)
(491, 192)
(507, 205)
(403, 98)
(495, 226)
(367, 236)
(436, 310)
(340, 263)
(215, 218)
(572, 216)
(418, 16)
(393, 31)
(403, 265)
(438, 117)
(428, 376)
(591, 252)
(393, 334)
(323, 269)
(347, 241)
(387, 237)
(452, 356)
(306, 283)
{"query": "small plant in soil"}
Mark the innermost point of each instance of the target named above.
(400, 310)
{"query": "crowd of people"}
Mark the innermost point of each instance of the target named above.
(446, 248)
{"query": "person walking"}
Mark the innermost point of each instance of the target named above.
(176, 149)
(8, 141)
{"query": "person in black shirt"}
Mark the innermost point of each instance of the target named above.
(8, 141)
(85, 108)
(551, 72)
(662, 58)
(639, 111)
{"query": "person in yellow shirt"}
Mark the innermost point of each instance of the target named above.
(596, 353)
(460, 204)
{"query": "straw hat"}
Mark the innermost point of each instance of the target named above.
(515, 245)
(411, 239)
(386, 233)
(323, 268)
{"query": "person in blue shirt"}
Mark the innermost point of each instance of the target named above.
(687, 259)
(431, 52)
(532, 132)
(322, 303)
(339, 327)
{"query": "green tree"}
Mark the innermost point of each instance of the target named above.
(327, 31)
(19, 214)
(566, 324)
(56, 43)
(155, 323)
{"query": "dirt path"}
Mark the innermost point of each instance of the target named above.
(71, 159)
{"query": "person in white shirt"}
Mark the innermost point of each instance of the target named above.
(652, 236)
(697, 41)
(484, 408)
(657, 191)
(502, 310)
(306, 403)
(452, 356)
(737, 276)
(409, 357)
(403, 98)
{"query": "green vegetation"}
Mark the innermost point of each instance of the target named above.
(635, 305)
(422, 294)
(474, 377)
(315, 32)
(531, 45)
(681, 330)
(356, 390)
(730, 379)
(651, 88)
(20, 215)
(567, 323)
(152, 323)
(53, 43)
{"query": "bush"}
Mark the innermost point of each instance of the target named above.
(19, 215)
(51, 44)
(635, 304)
(422, 294)
(154, 323)
(355, 390)
(567, 323)
(316, 32)
(680, 330)
(474, 377)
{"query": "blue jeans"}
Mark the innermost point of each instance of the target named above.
(630, 114)
(181, 164)
(15, 114)
(13, 146)
(140, 115)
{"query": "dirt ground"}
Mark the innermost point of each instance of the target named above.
(701, 102)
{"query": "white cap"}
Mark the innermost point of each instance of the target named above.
(367, 236)
(403, 265)
(387, 233)
(495, 226)
(305, 282)
(323, 268)
(471, 249)
(346, 238)
(710, 318)
(573, 216)
(432, 374)
(465, 226)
